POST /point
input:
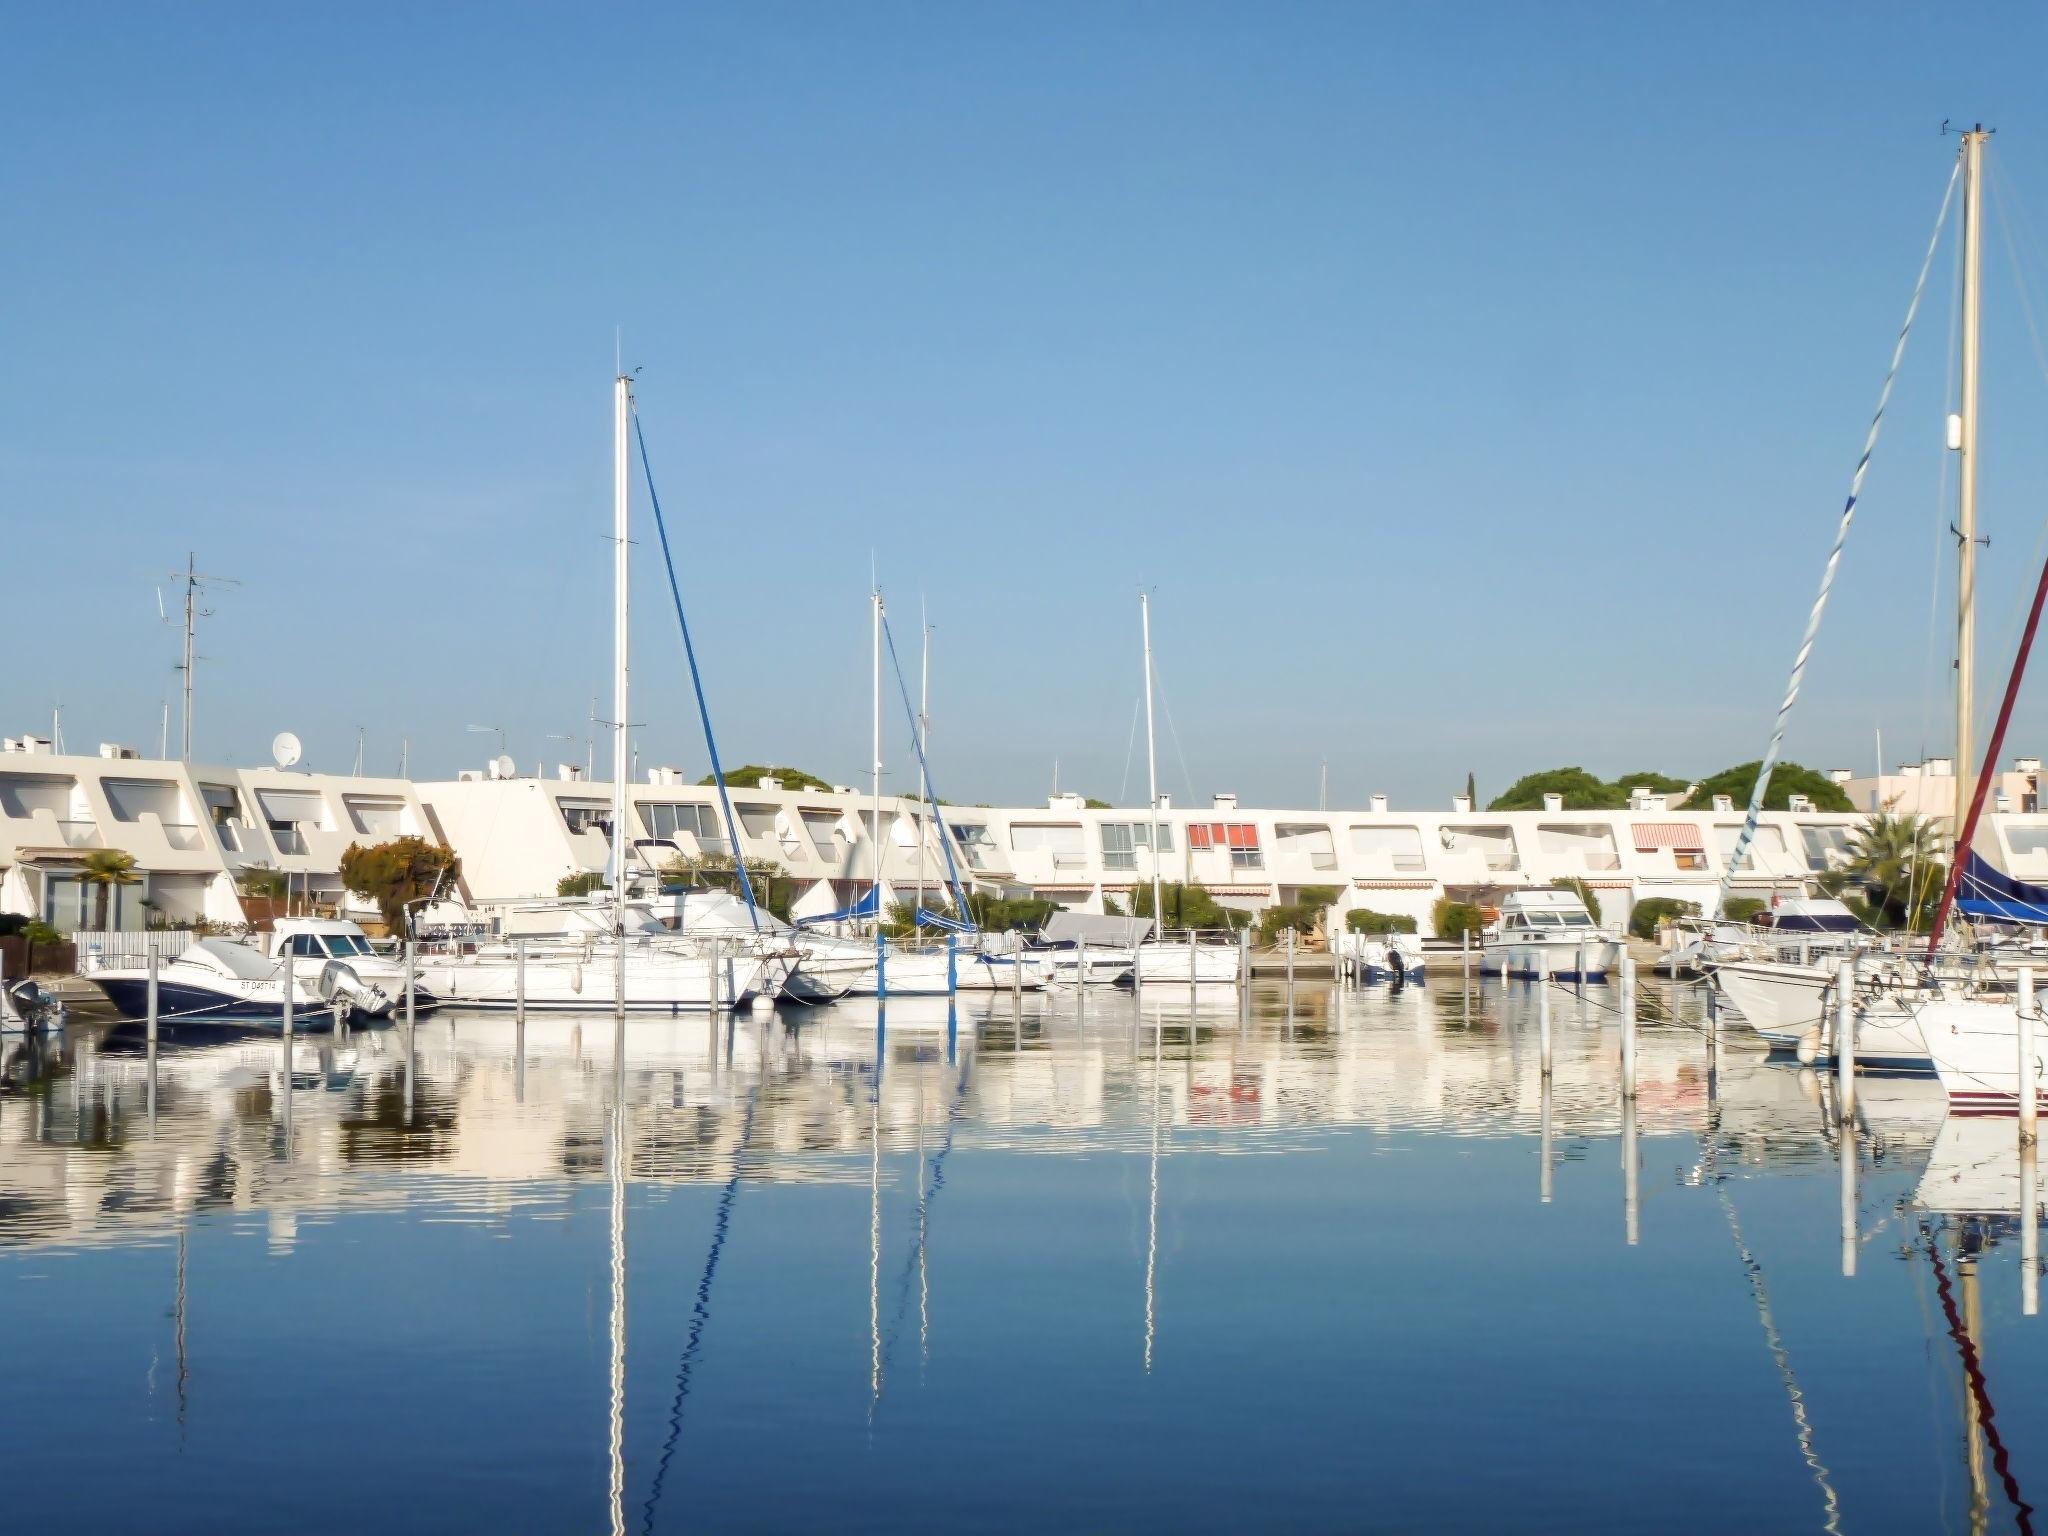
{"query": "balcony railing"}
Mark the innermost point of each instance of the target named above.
(183, 835)
(80, 834)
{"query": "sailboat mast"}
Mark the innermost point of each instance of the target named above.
(622, 407)
(875, 600)
(925, 809)
(1966, 479)
(1151, 762)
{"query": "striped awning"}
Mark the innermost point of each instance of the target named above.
(1681, 836)
(1394, 885)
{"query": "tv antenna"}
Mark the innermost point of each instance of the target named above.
(195, 585)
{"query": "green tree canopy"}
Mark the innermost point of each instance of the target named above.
(750, 777)
(398, 873)
(1581, 791)
(1787, 780)
(1188, 906)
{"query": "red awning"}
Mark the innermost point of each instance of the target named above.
(1680, 835)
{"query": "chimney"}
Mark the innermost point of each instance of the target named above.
(1224, 801)
(1941, 768)
(1553, 802)
(1798, 802)
(1379, 803)
(31, 745)
(1840, 775)
(114, 749)
(1166, 802)
(1065, 800)
(769, 781)
(1724, 803)
(568, 773)
(1462, 804)
(2026, 765)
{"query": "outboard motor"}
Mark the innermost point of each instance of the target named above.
(24, 1005)
(340, 987)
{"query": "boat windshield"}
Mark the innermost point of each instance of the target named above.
(1576, 920)
(345, 945)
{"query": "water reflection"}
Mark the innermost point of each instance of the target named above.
(1111, 1143)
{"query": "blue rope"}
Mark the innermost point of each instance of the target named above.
(924, 768)
(732, 830)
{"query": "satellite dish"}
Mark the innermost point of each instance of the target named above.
(503, 767)
(285, 749)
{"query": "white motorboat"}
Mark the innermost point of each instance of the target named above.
(216, 980)
(313, 941)
(1373, 958)
(562, 975)
(1547, 932)
(1084, 949)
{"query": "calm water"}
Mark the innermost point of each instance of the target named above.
(1339, 1266)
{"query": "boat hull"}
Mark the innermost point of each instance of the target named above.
(1526, 959)
(177, 1003)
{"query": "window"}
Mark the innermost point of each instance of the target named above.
(757, 820)
(975, 842)
(1318, 843)
(665, 818)
(825, 832)
(1496, 845)
(1826, 847)
(1589, 845)
(1141, 834)
(2026, 840)
(1060, 839)
(1240, 837)
(306, 944)
(1401, 847)
(588, 816)
(1117, 849)
(1768, 840)
(376, 817)
(129, 799)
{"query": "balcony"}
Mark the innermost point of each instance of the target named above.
(79, 834)
(182, 835)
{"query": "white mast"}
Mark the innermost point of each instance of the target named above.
(622, 408)
(1966, 479)
(924, 743)
(875, 603)
(1151, 762)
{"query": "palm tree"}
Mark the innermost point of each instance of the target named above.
(105, 868)
(1897, 860)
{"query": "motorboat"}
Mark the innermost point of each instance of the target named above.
(313, 941)
(1086, 949)
(219, 980)
(1547, 933)
(1374, 958)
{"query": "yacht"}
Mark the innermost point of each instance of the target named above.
(1547, 932)
(1190, 958)
(313, 941)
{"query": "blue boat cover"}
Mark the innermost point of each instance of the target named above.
(1985, 892)
(868, 906)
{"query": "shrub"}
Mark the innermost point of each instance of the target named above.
(750, 776)
(1581, 791)
(1742, 909)
(1787, 780)
(1648, 915)
(1452, 918)
(581, 884)
(1188, 906)
(1580, 889)
(1363, 920)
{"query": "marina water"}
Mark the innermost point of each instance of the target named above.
(1335, 1259)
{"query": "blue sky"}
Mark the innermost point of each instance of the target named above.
(1475, 386)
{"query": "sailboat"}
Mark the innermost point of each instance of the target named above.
(1163, 958)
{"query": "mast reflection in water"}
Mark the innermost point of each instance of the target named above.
(1337, 1261)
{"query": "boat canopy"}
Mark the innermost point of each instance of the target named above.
(869, 905)
(237, 960)
(1111, 932)
(1811, 914)
(1994, 896)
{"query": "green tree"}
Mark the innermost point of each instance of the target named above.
(103, 869)
(750, 777)
(1645, 916)
(1089, 802)
(582, 883)
(1578, 887)
(1364, 920)
(1787, 780)
(1656, 783)
(1188, 906)
(260, 882)
(1450, 918)
(1896, 860)
(1581, 791)
(397, 874)
(1472, 791)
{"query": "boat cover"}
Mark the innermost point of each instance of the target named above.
(1984, 892)
(1114, 932)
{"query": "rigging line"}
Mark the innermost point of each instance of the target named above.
(1760, 1293)
(1827, 580)
(1130, 746)
(1173, 730)
(1973, 1368)
(732, 831)
(700, 1314)
(925, 768)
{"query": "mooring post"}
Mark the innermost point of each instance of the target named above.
(1845, 1040)
(289, 1000)
(1848, 1149)
(2030, 1230)
(1579, 968)
(1628, 1026)
(1290, 959)
(411, 966)
(711, 979)
(2028, 1105)
(1191, 957)
(1543, 1142)
(151, 1037)
(1017, 972)
(1543, 1026)
(1631, 1173)
(519, 982)
(952, 965)
(1080, 962)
